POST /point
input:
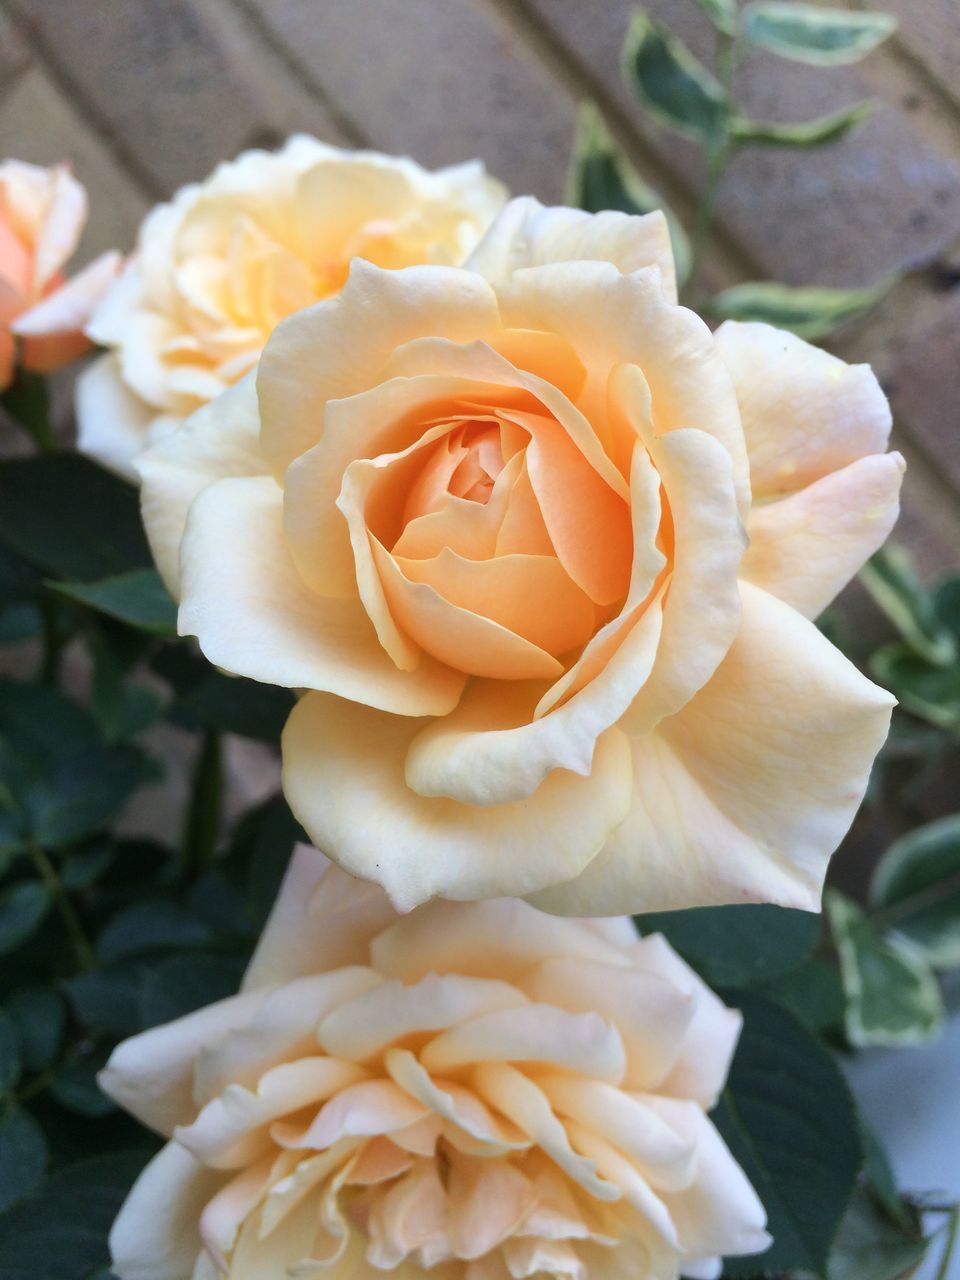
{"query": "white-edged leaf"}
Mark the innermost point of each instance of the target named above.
(892, 993)
(671, 84)
(918, 878)
(820, 37)
(805, 133)
(891, 580)
(930, 692)
(722, 13)
(809, 311)
(601, 177)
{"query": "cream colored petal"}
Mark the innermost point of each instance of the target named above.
(579, 1042)
(242, 598)
(219, 441)
(224, 1215)
(805, 412)
(720, 1213)
(157, 1233)
(806, 547)
(151, 1075)
(624, 1175)
(455, 938)
(321, 920)
(338, 348)
(112, 423)
(368, 819)
(108, 324)
(488, 1200)
(743, 796)
(60, 231)
(526, 234)
(363, 1028)
(531, 1257)
(362, 1110)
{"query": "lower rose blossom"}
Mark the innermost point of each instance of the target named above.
(477, 1089)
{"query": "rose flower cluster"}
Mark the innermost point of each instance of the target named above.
(540, 555)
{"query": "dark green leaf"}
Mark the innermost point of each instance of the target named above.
(19, 622)
(932, 693)
(601, 177)
(23, 1157)
(39, 1015)
(738, 945)
(61, 1233)
(946, 604)
(891, 580)
(806, 133)
(789, 1120)
(22, 909)
(821, 37)
(184, 982)
(85, 867)
(150, 926)
(201, 827)
(80, 793)
(813, 994)
(674, 87)
(808, 312)
(234, 705)
(70, 518)
(722, 13)
(265, 839)
(75, 1086)
(10, 1061)
(892, 994)
(878, 1176)
(107, 1001)
(137, 597)
(871, 1247)
(917, 881)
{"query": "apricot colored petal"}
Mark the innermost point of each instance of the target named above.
(806, 547)
(743, 795)
(66, 311)
(220, 440)
(805, 412)
(60, 231)
(369, 820)
(339, 347)
(252, 615)
(526, 234)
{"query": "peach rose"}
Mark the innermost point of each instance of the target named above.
(42, 212)
(263, 236)
(477, 1090)
(493, 522)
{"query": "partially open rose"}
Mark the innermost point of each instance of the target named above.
(264, 235)
(42, 213)
(493, 521)
(474, 1092)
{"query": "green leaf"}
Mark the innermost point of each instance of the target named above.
(738, 945)
(75, 1086)
(107, 1001)
(233, 704)
(806, 133)
(893, 585)
(789, 1120)
(137, 597)
(23, 1157)
(22, 910)
(61, 1233)
(85, 867)
(10, 1061)
(69, 518)
(671, 84)
(813, 993)
(871, 1247)
(40, 1017)
(809, 312)
(722, 13)
(184, 982)
(892, 995)
(601, 177)
(27, 401)
(821, 37)
(264, 841)
(150, 926)
(919, 879)
(932, 693)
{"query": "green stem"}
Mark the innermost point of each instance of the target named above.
(201, 826)
(52, 642)
(82, 949)
(953, 1225)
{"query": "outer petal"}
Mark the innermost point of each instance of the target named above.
(338, 347)
(744, 794)
(370, 821)
(528, 235)
(67, 309)
(219, 441)
(112, 423)
(806, 547)
(243, 599)
(62, 224)
(157, 1233)
(322, 919)
(805, 413)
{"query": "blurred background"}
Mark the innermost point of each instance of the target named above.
(145, 95)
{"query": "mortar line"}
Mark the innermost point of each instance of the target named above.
(250, 13)
(99, 124)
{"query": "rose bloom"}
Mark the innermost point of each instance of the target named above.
(263, 236)
(542, 553)
(477, 1089)
(42, 212)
